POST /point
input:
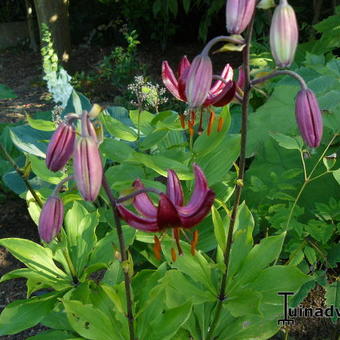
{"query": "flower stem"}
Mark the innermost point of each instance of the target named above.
(239, 186)
(124, 256)
(308, 178)
(280, 73)
(21, 174)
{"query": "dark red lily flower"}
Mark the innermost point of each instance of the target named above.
(171, 211)
(220, 93)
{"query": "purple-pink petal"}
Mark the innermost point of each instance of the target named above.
(170, 80)
(174, 188)
(143, 203)
(138, 222)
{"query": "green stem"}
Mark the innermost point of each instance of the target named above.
(124, 258)
(21, 174)
(240, 180)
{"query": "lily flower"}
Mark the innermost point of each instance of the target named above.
(171, 211)
(220, 93)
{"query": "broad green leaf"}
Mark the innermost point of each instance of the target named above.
(90, 322)
(34, 257)
(310, 255)
(186, 5)
(40, 169)
(73, 101)
(40, 124)
(288, 142)
(142, 120)
(217, 164)
(30, 140)
(195, 266)
(117, 128)
(244, 302)
(219, 228)
(55, 335)
(115, 150)
(165, 325)
(258, 258)
(205, 144)
(23, 314)
(336, 175)
(153, 138)
(76, 103)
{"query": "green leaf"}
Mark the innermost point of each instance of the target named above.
(258, 258)
(117, 128)
(310, 254)
(153, 138)
(40, 169)
(186, 5)
(165, 325)
(90, 322)
(217, 164)
(244, 302)
(40, 124)
(76, 103)
(23, 314)
(336, 175)
(142, 120)
(29, 140)
(55, 335)
(288, 142)
(219, 228)
(333, 294)
(173, 5)
(6, 92)
(115, 150)
(34, 257)
(205, 144)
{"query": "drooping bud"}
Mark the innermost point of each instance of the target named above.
(284, 34)
(199, 80)
(308, 117)
(239, 14)
(60, 147)
(51, 218)
(88, 169)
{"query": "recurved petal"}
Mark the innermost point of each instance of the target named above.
(197, 214)
(167, 216)
(224, 97)
(170, 80)
(184, 64)
(199, 194)
(227, 74)
(138, 222)
(143, 203)
(174, 188)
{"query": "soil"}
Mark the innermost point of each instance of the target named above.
(21, 71)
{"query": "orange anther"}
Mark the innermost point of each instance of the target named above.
(211, 122)
(173, 255)
(182, 120)
(194, 242)
(157, 248)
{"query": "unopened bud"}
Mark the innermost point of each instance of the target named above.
(239, 14)
(95, 111)
(51, 218)
(283, 34)
(308, 117)
(60, 147)
(88, 169)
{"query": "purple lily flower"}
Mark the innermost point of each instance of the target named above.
(171, 211)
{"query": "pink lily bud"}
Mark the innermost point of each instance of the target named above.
(51, 218)
(284, 34)
(239, 14)
(60, 148)
(199, 80)
(308, 117)
(88, 169)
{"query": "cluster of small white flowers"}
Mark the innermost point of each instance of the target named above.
(147, 94)
(58, 84)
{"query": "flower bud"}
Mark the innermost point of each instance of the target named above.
(88, 169)
(60, 147)
(198, 81)
(239, 13)
(283, 34)
(308, 117)
(51, 218)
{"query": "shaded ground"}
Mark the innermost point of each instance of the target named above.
(21, 71)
